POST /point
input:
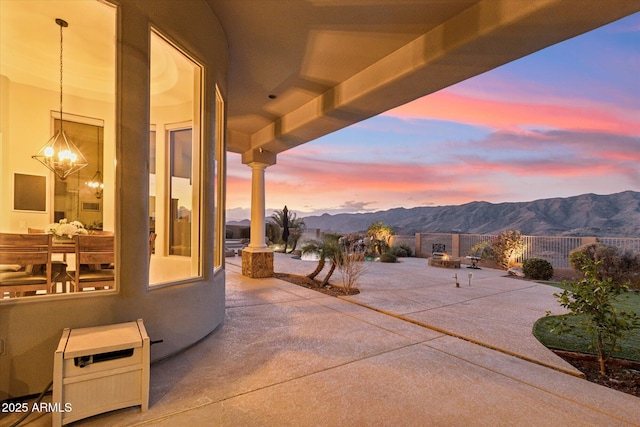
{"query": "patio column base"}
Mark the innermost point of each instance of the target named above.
(257, 262)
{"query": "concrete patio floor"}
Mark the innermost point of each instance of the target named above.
(411, 349)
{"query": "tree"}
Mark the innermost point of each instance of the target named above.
(296, 226)
(592, 299)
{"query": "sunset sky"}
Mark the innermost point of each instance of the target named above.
(561, 122)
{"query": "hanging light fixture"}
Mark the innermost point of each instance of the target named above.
(59, 154)
(96, 185)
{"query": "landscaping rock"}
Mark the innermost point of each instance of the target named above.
(516, 271)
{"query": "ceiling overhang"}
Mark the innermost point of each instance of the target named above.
(331, 64)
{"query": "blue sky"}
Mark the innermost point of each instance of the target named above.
(561, 122)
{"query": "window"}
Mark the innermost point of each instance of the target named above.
(30, 96)
(218, 185)
(175, 189)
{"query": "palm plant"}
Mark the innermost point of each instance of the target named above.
(333, 254)
(327, 248)
(296, 226)
(380, 235)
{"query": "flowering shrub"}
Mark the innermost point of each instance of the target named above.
(64, 228)
(507, 247)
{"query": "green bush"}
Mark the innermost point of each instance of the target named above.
(388, 258)
(537, 269)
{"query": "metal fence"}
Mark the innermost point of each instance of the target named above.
(622, 243)
(468, 241)
(554, 249)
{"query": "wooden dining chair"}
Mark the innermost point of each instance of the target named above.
(25, 263)
(94, 258)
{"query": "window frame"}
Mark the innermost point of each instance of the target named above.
(197, 171)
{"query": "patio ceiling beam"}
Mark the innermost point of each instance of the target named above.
(488, 34)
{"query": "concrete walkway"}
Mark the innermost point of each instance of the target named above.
(489, 308)
(289, 356)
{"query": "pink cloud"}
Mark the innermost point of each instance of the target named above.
(503, 114)
(505, 166)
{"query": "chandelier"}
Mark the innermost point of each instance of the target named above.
(96, 185)
(59, 154)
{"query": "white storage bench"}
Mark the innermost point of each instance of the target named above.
(100, 369)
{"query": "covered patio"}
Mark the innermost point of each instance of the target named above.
(167, 91)
(411, 349)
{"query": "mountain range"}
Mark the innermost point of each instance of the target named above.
(614, 215)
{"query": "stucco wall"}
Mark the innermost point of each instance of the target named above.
(180, 314)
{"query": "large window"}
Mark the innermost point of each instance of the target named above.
(36, 83)
(175, 189)
(219, 181)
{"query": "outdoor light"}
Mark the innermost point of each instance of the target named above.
(59, 154)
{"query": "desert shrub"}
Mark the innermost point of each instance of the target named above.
(629, 266)
(590, 252)
(397, 251)
(388, 258)
(407, 249)
(351, 267)
(620, 266)
(400, 251)
(507, 247)
(537, 269)
(482, 250)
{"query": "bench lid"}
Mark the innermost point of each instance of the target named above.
(102, 339)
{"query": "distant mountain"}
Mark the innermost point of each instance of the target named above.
(614, 215)
(241, 223)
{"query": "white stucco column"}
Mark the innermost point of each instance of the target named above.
(257, 259)
(258, 231)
